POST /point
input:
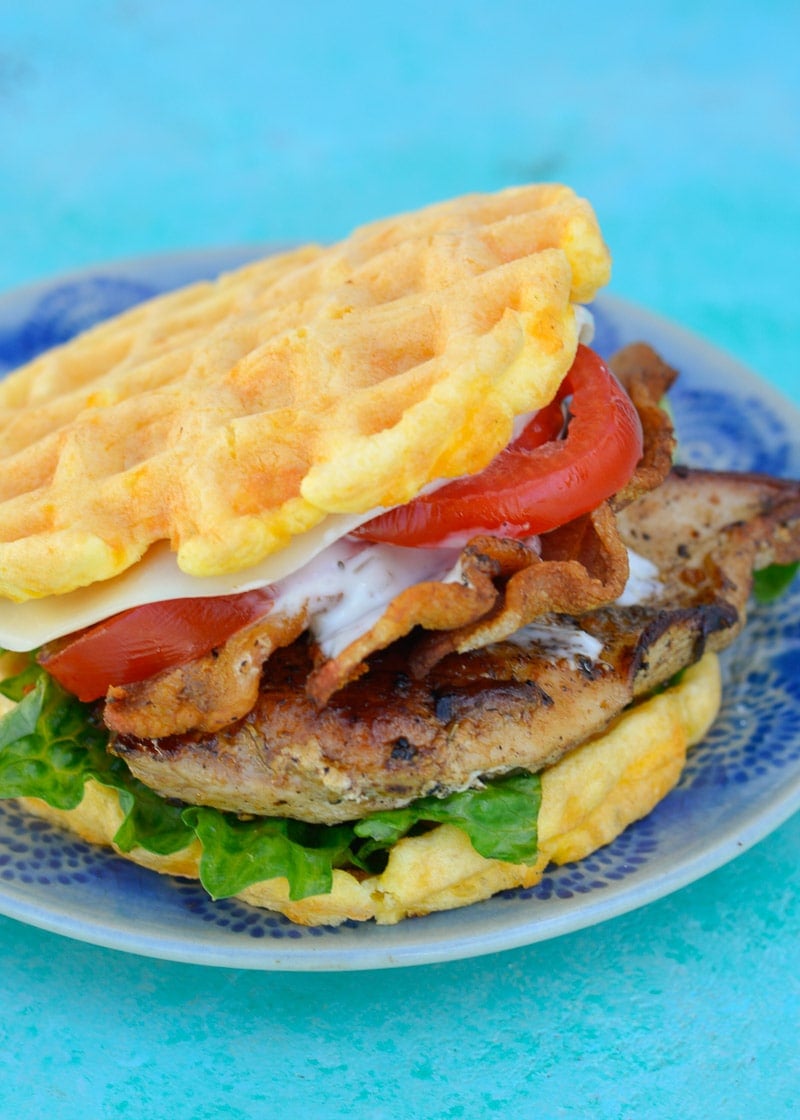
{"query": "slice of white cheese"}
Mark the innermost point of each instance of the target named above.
(27, 625)
(345, 584)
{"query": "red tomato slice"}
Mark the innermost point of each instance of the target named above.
(143, 641)
(539, 482)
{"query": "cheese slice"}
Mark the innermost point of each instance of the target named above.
(157, 577)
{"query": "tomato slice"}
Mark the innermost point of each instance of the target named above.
(538, 482)
(146, 640)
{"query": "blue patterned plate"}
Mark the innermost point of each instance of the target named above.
(739, 785)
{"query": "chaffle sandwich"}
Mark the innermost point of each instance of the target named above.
(362, 586)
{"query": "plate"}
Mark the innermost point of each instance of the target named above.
(740, 784)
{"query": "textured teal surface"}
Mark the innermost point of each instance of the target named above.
(136, 127)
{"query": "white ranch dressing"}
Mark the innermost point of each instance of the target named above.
(643, 582)
(348, 587)
(559, 641)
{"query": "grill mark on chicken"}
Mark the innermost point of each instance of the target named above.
(389, 737)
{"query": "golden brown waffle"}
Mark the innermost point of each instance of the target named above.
(230, 416)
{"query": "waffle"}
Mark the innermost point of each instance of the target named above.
(230, 416)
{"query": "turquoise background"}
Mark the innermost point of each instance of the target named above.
(136, 127)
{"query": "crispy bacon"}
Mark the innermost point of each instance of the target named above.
(646, 378)
(207, 693)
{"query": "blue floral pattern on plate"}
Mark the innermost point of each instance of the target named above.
(740, 783)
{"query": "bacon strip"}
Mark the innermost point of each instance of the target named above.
(205, 694)
(582, 565)
(646, 379)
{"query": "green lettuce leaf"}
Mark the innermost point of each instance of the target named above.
(238, 853)
(51, 744)
(770, 583)
(44, 746)
(500, 819)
